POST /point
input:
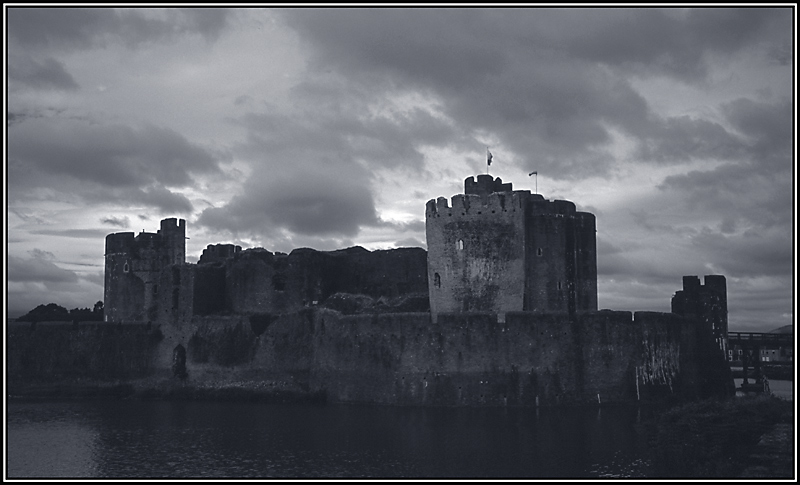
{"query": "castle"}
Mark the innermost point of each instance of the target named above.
(495, 250)
(500, 309)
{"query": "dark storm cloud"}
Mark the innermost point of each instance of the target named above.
(550, 83)
(106, 163)
(39, 254)
(80, 28)
(95, 234)
(116, 221)
(767, 128)
(754, 253)
(684, 138)
(671, 42)
(38, 270)
(111, 155)
(312, 170)
(46, 74)
(304, 203)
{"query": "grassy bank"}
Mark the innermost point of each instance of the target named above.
(713, 438)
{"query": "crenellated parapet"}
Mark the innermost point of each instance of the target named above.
(467, 205)
(708, 302)
(218, 252)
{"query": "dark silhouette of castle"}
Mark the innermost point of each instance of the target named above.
(493, 249)
(134, 267)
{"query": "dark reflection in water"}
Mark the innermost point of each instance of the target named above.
(210, 439)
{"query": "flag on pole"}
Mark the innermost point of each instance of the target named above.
(533, 173)
(488, 157)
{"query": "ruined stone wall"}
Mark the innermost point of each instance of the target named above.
(560, 257)
(585, 262)
(214, 253)
(132, 270)
(405, 358)
(176, 294)
(530, 359)
(123, 292)
(476, 251)
(172, 242)
(708, 302)
(249, 283)
(209, 289)
(258, 281)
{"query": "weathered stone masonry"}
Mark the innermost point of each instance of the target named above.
(133, 267)
(512, 285)
(497, 249)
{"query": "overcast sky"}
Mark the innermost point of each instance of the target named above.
(285, 128)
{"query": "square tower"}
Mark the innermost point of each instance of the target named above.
(495, 249)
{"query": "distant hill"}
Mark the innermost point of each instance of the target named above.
(783, 329)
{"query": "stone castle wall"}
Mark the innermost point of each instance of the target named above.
(133, 267)
(405, 358)
(258, 281)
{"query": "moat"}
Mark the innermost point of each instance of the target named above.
(141, 439)
(133, 438)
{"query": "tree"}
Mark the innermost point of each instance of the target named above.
(43, 313)
(98, 311)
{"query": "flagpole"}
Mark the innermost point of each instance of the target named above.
(536, 172)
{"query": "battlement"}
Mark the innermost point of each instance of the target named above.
(708, 302)
(485, 185)
(714, 284)
(218, 252)
(120, 242)
(472, 204)
(172, 225)
(558, 207)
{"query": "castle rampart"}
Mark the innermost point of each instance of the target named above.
(512, 284)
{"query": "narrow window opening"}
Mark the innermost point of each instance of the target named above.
(126, 268)
(539, 251)
(437, 280)
(460, 244)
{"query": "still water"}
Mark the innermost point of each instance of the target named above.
(152, 439)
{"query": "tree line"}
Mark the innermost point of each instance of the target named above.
(56, 313)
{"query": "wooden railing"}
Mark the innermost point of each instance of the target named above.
(783, 339)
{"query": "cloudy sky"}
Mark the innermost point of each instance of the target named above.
(328, 128)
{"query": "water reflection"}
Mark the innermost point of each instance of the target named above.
(206, 439)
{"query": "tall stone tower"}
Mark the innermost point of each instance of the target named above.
(497, 249)
(708, 302)
(132, 269)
